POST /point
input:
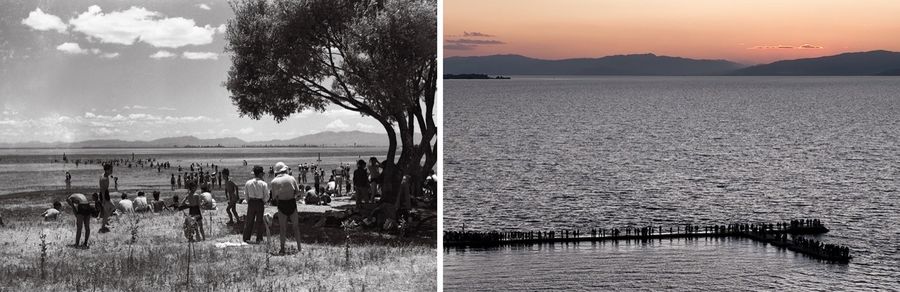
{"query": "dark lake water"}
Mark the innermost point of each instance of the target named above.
(536, 153)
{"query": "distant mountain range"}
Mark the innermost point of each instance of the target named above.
(847, 64)
(351, 138)
(645, 64)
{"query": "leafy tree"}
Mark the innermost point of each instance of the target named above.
(375, 57)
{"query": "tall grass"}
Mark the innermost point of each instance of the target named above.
(147, 252)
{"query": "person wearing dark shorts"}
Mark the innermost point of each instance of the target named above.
(83, 210)
(285, 190)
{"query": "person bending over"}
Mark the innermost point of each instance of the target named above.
(83, 212)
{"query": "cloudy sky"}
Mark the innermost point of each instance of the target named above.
(74, 70)
(746, 31)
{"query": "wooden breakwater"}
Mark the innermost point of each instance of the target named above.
(781, 234)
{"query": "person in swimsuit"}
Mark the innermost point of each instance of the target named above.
(231, 194)
(83, 210)
(285, 190)
(192, 203)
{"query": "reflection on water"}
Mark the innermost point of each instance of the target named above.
(715, 264)
(540, 153)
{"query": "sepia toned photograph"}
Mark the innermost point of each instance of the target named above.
(671, 145)
(245, 145)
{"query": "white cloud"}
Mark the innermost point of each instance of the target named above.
(139, 24)
(162, 54)
(221, 28)
(200, 55)
(109, 55)
(203, 6)
(337, 124)
(246, 130)
(71, 48)
(366, 127)
(39, 20)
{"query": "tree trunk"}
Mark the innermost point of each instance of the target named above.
(392, 140)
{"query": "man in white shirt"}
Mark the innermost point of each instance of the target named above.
(257, 191)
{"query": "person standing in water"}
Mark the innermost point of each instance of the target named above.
(172, 181)
(68, 180)
(285, 190)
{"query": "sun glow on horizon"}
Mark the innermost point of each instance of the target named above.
(743, 31)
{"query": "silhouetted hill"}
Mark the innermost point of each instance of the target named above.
(847, 64)
(352, 138)
(645, 64)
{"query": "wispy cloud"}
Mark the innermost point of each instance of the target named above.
(477, 34)
(162, 55)
(203, 6)
(474, 42)
(468, 41)
(200, 56)
(459, 47)
(783, 47)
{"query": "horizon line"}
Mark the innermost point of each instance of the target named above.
(183, 136)
(671, 56)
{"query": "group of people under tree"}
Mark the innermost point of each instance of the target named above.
(282, 191)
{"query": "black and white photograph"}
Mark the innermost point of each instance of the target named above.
(209, 145)
(655, 145)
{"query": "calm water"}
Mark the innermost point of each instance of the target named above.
(33, 169)
(540, 153)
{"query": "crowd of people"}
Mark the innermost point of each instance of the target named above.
(282, 190)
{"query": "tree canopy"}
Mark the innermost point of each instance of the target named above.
(375, 57)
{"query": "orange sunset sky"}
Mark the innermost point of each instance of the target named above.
(743, 31)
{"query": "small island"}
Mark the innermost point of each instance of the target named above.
(472, 76)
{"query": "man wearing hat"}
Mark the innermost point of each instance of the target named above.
(285, 189)
(257, 192)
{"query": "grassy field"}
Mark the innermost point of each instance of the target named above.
(148, 252)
